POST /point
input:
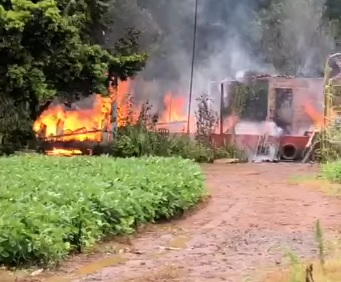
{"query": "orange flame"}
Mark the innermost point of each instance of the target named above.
(59, 123)
(317, 117)
(63, 124)
(121, 95)
(64, 152)
(175, 115)
(174, 108)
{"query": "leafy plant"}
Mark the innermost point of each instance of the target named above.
(331, 171)
(320, 242)
(296, 266)
(230, 151)
(64, 205)
(143, 139)
(206, 119)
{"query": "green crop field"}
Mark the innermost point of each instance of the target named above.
(51, 206)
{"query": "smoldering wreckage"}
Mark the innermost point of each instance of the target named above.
(282, 119)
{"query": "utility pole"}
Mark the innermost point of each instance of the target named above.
(192, 66)
(170, 109)
(221, 108)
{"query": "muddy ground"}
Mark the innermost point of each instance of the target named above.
(255, 214)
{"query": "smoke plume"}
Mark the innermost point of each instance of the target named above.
(227, 41)
(300, 41)
(287, 36)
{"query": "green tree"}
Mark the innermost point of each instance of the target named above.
(48, 47)
(295, 36)
(333, 14)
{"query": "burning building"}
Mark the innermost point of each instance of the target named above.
(293, 104)
(82, 126)
(77, 128)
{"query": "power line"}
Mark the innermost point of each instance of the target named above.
(192, 66)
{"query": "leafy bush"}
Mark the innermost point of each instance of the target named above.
(15, 125)
(331, 171)
(184, 146)
(230, 151)
(137, 141)
(53, 206)
(142, 139)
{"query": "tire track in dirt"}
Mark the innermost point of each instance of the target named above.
(253, 214)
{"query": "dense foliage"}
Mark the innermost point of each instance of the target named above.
(138, 140)
(49, 47)
(144, 139)
(61, 205)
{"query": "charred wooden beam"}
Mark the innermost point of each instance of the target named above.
(73, 134)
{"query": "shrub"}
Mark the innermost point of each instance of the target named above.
(185, 147)
(53, 206)
(331, 171)
(142, 139)
(138, 141)
(230, 151)
(15, 126)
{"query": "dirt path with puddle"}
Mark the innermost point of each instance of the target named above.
(254, 213)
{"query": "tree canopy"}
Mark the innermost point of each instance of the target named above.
(50, 46)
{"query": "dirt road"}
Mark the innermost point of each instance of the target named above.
(254, 214)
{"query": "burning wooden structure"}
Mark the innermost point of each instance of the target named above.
(79, 128)
(292, 103)
(88, 126)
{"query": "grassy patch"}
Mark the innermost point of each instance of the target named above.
(327, 266)
(320, 182)
(51, 207)
(297, 179)
(330, 273)
(331, 171)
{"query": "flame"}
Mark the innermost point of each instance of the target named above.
(63, 152)
(174, 115)
(317, 117)
(61, 123)
(64, 123)
(174, 108)
(121, 95)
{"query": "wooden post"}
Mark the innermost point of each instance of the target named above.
(221, 108)
(114, 107)
(170, 109)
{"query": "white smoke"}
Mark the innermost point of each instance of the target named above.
(228, 33)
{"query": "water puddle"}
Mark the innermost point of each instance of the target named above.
(58, 279)
(179, 242)
(100, 264)
(8, 276)
(87, 269)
